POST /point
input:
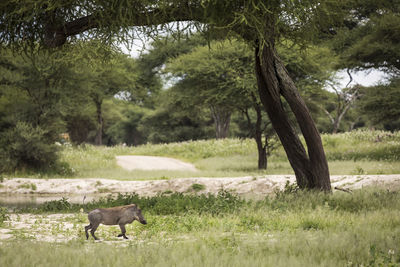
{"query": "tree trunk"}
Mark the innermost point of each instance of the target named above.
(222, 119)
(335, 126)
(262, 154)
(273, 81)
(261, 148)
(256, 133)
(98, 140)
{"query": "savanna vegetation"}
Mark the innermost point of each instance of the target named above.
(353, 33)
(237, 88)
(293, 227)
(357, 152)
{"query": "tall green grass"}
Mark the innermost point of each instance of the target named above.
(284, 249)
(293, 228)
(357, 152)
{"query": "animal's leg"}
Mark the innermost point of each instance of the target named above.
(94, 228)
(86, 230)
(123, 231)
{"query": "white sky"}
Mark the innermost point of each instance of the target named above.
(365, 78)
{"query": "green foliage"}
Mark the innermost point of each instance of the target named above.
(296, 20)
(369, 36)
(220, 75)
(3, 215)
(376, 152)
(381, 104)
(302, 228)
(123, 123)
(28, 186)
(162, 204)
(197, 187)
(201, 149)
(358, 201)
(31, 89)
(362, 145)
(26, 146)
(173, 121)
(290, 199)
(56, 205)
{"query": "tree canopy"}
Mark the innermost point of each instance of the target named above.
(52, 23)
(261, 23)
(369, 36)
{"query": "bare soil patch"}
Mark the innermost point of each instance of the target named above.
(256, 186)
(153, 163)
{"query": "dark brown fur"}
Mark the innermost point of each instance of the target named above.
(114, 216)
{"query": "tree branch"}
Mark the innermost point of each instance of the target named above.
(146, 18)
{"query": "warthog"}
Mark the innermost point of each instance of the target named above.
(114, 216)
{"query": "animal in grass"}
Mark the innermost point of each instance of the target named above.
(114, 216)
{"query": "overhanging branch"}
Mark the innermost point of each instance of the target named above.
(146, 18)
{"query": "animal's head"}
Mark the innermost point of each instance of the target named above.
(137, 213)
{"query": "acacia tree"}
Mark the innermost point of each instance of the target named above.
(106, 72)
(370, 36)
(259, 22)
(344, 100)
(221, 76)
(213, 78)
(381, 104)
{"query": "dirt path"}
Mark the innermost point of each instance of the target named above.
(153, 163)
(257, 186)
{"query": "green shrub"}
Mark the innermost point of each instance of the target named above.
(31, 186)
(56, 205)
(162, 204)
(198, 187)
(359, 200)
(362, 145)
(26, 147)
(225, 202)
(3, 215)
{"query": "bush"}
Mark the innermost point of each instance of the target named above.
(56, 205)
(161, 204)
(26, 147)
(3, 215)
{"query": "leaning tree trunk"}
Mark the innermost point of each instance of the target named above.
(273, 81)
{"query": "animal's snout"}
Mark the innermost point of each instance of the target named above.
(143, 222)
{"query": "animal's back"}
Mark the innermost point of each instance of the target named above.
(109, 216)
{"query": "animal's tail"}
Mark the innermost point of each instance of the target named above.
(83, 209)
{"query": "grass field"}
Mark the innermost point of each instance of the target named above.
(357, 152)
(290, 229)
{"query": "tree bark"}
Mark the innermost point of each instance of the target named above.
(222, 119)
(311, 169)
(98, 140)
(261, 148)
(256, 133)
